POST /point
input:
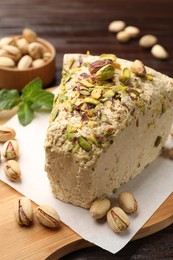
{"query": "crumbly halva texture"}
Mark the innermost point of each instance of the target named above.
(106, 125)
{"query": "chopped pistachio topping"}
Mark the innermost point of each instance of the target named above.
(108, 56)
(126, 73)
(92, 101)
(84, 144)
(70, 135)
(54, 113)
(96, 96)
(96, 93)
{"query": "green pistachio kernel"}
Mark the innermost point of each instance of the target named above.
(76, 147)
(104, 99)
(92, 138)
(54, 114)
(62, 97)
(119, 88)
(108, 103)
(149, 77)
(114, 190)
(66, 77)
(109, 93)
(71, 129)
(106, 72)
(96, 93)
(141, 105)
(108, 56)
(84, 144)
(126, 73)
(86, 83)
(91, 101)
(84, 92)
(68, 106)
(70, 136)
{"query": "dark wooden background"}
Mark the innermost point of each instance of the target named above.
(77, 26)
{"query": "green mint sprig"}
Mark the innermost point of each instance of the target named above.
(32, 98)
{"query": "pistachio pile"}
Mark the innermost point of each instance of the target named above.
(116, 217)
(45, 214)
(23, 52)
(10, 152)
(148, 41)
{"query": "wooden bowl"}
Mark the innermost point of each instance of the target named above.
(12, 78)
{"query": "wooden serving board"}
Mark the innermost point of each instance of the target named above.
(37, 242)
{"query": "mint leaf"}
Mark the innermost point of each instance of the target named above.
(9, 99)
(25, 113)
(31, 89)
(33, 98)
(42, 100)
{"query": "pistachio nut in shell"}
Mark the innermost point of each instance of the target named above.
(159, 52)
(7, 62)
(138, 68)
(13, 52)
(5, 41)
(29, 35)
(148, 40)
(98, 64)
(12, 170)
(47, 216)
(117, 220)
(23, 211)
(22, 44)
(105, 73)
(46, 56)
(123, 36)
(10, 150)
(99, 208)
(132, 31)
(24, 63)
(6, 133)
(36, 50)
(127, 202)
(38, 63)
(116, 26)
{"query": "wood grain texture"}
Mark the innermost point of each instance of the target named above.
(78, 26)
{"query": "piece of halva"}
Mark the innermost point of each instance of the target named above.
(110, 119)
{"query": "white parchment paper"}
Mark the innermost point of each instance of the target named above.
(150, 188)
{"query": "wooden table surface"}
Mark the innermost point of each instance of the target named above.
(78, 26)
